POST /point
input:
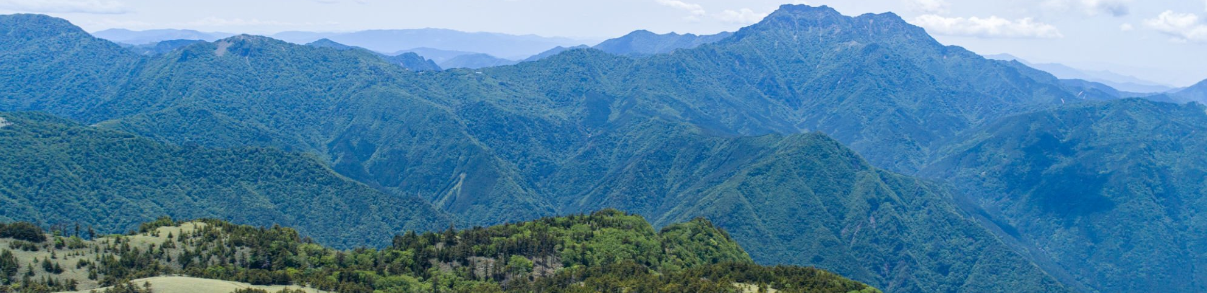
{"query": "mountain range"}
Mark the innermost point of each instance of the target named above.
(145, 37)
(1114, 80)
(644, 43)
(386, 41)
(1194, 93)
(859, 145)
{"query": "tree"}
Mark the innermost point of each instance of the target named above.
(9, 266)
(519, 265)
(23, 231)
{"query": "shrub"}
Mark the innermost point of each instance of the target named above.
(23, 231)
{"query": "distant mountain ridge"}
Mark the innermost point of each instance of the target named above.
(645, 43)
(514, 47)
(410, 61)
(161, 47)
(1115, 80)
(426, 42)
(158, 35)
(1194, 93)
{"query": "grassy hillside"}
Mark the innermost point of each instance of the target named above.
(604, 251)
(176, 284)
(59, 172)
(1107, 192)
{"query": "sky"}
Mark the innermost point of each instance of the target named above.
(1159, 40)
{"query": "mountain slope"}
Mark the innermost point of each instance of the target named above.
(645, 43)
(436, 55)
(1114, 80)
(162, 47)
(1108, 191)
(1194, 93)
(552, 52)
(805, 199)
(410, 61)
(55, 171)
(63, 70)
(873, 82)
(475, 61)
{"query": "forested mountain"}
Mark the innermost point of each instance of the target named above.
(125, 36)
(1194, 93)
(1109, 192)
(1114, 80)
(585, 130)
(605, 251)
(410, 61)
(56, 171)
(807, 199)
(385, 41)
(161, 47)
(644, 43)
(475, 61)
(553, 52)
(436, 55)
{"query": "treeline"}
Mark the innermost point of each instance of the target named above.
(607, 251)
(24, 231)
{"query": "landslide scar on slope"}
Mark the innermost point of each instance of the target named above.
(222, 46)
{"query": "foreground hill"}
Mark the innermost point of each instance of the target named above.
(56, 171)
(1110, 193)
(606, 250)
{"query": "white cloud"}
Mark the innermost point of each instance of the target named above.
(65, 6)
(991, 27)
(928, 6)
(740, 16)
(1115, 8)
(694, 9)
(1182, 27)
(1127, 27)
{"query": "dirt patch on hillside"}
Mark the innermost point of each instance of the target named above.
(222, 46)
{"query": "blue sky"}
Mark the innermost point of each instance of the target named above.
(1159, 40)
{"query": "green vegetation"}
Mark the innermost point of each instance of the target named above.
(22, 231)
(9, 265)
(606, 251)
(56, 171)
(1106, 194)
(671, 137)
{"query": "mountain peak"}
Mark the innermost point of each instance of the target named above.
(36, 25)
(328, 43)
(795, 12)
(825, 23)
